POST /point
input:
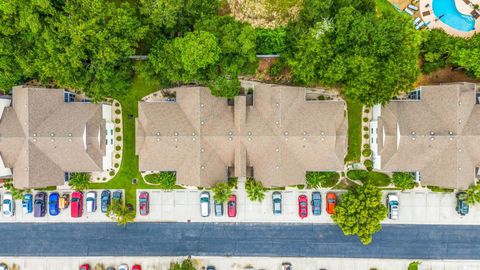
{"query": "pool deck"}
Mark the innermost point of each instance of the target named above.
(436, 23)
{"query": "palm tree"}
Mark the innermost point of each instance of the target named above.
(255, 190)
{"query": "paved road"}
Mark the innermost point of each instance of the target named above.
(230, 239)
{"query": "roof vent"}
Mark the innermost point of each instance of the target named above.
(451, 138)
(202, 105)
(34, 134)
(277, 104)
(69, 139)
(194, 134)
(202, 123)
(304, 138)
(202, 150)
(34, 140)
(69, 134)
(413, 133)
(277, 150)
(158, 133)
(322, 133)
(413, 138)
(193, 139)
(176, 133)
(322, 139)
(432, 133)
(230, 138)
(158, 139)
(176, 139)
(278, 167)
(249, 138)
(52, 134)
(202, 167)
(286, 133)
(450, 132)
(277, 123)
(52, 139)
(432, 138)
(304, 133)
(249, 133)
(230, 133)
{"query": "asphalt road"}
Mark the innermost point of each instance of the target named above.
(235, 239)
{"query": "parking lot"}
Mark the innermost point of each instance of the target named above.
(63, 216)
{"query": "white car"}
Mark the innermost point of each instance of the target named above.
(205, 204)
(8, 205)
(392, 205)
(123, 267)
(91, 201)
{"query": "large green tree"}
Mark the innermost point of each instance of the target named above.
(360, 212)
(467, 55)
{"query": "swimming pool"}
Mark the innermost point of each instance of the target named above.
(451, 16)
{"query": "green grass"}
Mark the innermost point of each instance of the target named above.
(377, 178)
(440, 189)
(354, 131)
(383, 6)
(129, 167)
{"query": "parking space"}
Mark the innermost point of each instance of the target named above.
(64, 214)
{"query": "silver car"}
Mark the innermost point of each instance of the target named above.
(8, 205)
(277, 203)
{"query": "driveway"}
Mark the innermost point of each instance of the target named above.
(236, 239)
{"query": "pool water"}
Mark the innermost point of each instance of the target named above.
(451, 16)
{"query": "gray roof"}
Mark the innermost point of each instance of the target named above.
(281, 136)
(42, 137)
(437, 135)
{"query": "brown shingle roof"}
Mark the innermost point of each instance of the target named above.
(281, 136)
(447, 158)
(42, 137)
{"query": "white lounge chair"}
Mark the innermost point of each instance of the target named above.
(420, 25)
(416, 21)
(412, 7)
(408, 11)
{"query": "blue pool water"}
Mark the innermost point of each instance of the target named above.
(451, 16)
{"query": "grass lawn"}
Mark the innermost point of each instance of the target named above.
(129, 167)
(384, 6)
(377, 178)
(354, 131)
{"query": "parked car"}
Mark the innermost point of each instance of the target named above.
(117, 196)
(104, 201)
(3, 266)
(302, 206)
(277, 203)
(53, 208)
(392, 205)
(64, 201)
(286, 266)
(39, 205)
(110, 268)
(85, 267)
(8, 205)
(205, 204)
(91, 201)
(137, 267)
(218, 207)
(462, 206)
(27, 203)
(210, 267)
(232, 206)
(331, 202)
(76, 207)
(144, 203)
(123, 266)
(316, 203)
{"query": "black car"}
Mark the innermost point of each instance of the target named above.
(39, 204)
(117, 196)
(105, 200)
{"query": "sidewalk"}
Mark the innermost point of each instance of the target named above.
(234, 263)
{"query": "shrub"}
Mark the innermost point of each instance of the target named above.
(116, 165)
(357, 174)
(366, 136)
(232, 182)
(413, 265)
(118, 148)
(165, 180)
(255, 190)
(117, 156)
(221, 192)
(185, 265)
(117, 111)
(440, 189)
(120, 213)
(270, 41)
(117, 104)
(365, 119)
(117, 129)
(369, 164)
(379, 179)
(79, 181)
(119, 138)
(366, 152)
(365, 128)
(403, 180)
(117, 121)
(111, 173)
(104, 178)
(366, 110)
(17, 194)
(366, 146)
(276, 69)
(321, 179)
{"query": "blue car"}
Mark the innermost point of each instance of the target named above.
(53, 208)
(105, 200)
(27, 203)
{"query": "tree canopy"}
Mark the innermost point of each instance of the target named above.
(360, 212)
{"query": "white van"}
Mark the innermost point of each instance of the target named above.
(205, 204)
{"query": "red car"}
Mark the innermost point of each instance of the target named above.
(137, 267)
(232, 206)
(76, 205)
(144, 203)
(85, 267)
(331, 202)
(302, 206)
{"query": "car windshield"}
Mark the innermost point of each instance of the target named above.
(143, 200)
(331, 200)
(6, 201)
(303, 204)
(75, 200)
(204, 199)
(53, 202)
(231, 203)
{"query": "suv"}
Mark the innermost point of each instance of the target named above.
(39, 205)
(392, 205)
(316, 203)
(462, 206)
(277, 203)
(205, 204)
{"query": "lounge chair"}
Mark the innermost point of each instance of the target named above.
(420, 25)
(417, 20)
(426, 13)
(412, 7)
(408, 11)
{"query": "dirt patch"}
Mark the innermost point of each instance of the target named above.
(265, 13)
(445, 75)
(264, 74)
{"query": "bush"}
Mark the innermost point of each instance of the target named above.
(120, 213)
(116, 165)
(117, 104)
(185, 265)
(118, 148)
(357, 174)
(232, 182)
(119, 138)
(111, 173)
(165, 180)
(255, 190)
(366, 146)
(440, 189)
(17, 194)
(117, 156)
(366, 136)
(368, 164)
(276, 69)
(270, 41)
(221, 192)
(379, 179)
(403, 180)
(117, 121)
(79, 181)
(117, 111)
(365, 128)
(366, 152)
(321, 179)
(413, 265)
(365, 119)
(117, 129)
(367, 110)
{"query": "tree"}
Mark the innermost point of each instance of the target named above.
(403, 180)
(222, 192)
(467, 55)
(255, 190)
(270, 41)
(165, 180)
(413, 265)
(321, 179)
(185, 265)
(436, 49)
(79, 181)
(224, 87)
(17, 194)
(360, 212)
(120, 213)
(473, 194)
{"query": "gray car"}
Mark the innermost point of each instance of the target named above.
(277, 203)
(218, 208)
(39, 205)
(316, 203)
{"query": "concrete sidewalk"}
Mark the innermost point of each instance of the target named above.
(234, 263)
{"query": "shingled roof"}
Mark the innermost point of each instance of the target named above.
(438, 136)
(281, 136)
(42, 137)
